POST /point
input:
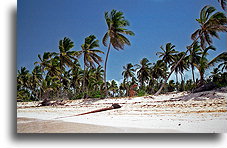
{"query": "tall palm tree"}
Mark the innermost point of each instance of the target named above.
(168, 53)
(116, 24)
(222, 59)
(66, 57)
(210, 25)
(143, 71)
(90, 54)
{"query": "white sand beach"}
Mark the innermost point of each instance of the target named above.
(204, 112)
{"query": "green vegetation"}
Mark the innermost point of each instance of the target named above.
(59, 75)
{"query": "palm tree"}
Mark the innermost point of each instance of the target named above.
(53, 67)
(223, 4)
(44, 59)
(36, 80)
(210, 25)
(65, 56)
(143, 71)
(127, 73)
(76, 76)
(203, 63)
(183, 65)
(159, 70)
(220, 58)
(194, 57)
(90, 52)
(116, 24)
(23, 77)
(113, 87)
(168, 53)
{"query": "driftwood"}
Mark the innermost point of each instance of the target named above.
(205, 87)
(47, 102)
(113, 106)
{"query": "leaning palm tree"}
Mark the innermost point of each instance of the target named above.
(116, 24)
(90, 54)
(210, 24)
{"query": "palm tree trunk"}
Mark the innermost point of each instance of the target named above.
(163, 84)
(181, 74)
(84, 80)
(193, 74)
(105, 64)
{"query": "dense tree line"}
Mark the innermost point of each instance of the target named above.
(60, 75)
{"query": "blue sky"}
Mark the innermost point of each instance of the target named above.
(42, 23)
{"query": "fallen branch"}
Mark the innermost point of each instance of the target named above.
(113, 106)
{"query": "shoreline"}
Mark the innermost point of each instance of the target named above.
(32, 125)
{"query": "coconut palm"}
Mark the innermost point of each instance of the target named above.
(65, 56)
(128, 71)
(23, 77)
(36, 80)
(98, 75)
(143, 71)
(210, 25)
(194, 57)
(44, 59)
(168, 53)
(203, 63)
(76, 76)
(116, 24)
(53, 67)
(90, 54)
(183, 65)
(159, 70)
(113, 87)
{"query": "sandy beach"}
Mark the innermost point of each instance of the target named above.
(204, 112)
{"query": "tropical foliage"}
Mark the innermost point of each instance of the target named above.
(60, 75)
